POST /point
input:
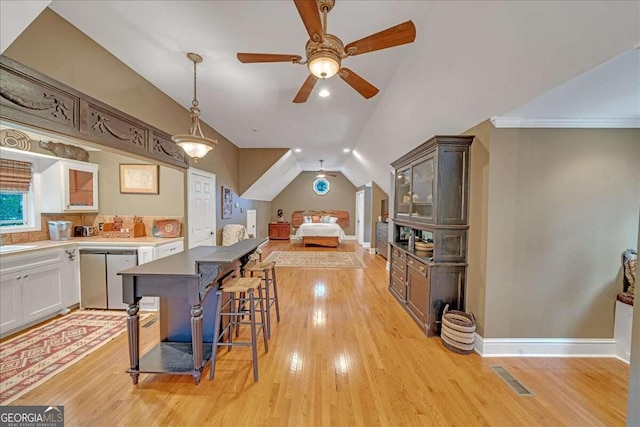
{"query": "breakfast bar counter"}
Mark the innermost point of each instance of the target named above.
(183, 282)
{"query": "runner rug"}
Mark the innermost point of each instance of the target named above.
(31, 358)
(315, 259)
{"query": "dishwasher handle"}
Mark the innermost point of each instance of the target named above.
(109, 251)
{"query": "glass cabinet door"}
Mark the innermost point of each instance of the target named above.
(422, 191)
(403, 193)
(80, 187)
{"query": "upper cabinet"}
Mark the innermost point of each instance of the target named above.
(70, 186)
(432, 182)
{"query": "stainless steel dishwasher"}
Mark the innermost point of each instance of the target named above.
(100, 285)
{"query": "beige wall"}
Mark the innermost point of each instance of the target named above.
(59, 50)
(563, 206)
(478, 214)
(112, 202)
(254, 162)
(299, 195)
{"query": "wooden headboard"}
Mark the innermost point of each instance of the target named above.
(297, 217)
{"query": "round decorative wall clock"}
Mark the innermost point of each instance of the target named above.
(321, 186)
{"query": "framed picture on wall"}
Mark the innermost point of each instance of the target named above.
(227, 202)
(138, 179)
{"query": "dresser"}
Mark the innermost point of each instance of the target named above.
(382, 239)
(279, 230)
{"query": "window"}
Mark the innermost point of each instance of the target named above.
(17, 198)
(14, 209)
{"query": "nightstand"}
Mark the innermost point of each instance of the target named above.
(279, 230)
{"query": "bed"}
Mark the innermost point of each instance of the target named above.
(318, 232)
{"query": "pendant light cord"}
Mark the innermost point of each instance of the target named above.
(195, 93)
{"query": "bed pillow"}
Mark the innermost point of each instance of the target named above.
(326, 219)
(315, 218)
(333, 219)
(307, 219)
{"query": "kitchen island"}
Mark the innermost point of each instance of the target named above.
(183, 282)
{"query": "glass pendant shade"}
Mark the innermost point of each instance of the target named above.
(324, 65)
(194, 143)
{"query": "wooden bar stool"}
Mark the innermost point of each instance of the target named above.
(268, 271)
(242, 302)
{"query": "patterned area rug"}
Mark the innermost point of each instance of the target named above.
(33, 357)
(315, 259)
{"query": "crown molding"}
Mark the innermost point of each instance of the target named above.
(526, 122)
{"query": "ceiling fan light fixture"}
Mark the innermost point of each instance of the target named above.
(194, 143)
(324, 64)
(323, 93)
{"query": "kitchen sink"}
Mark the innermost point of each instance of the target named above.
(13, 248)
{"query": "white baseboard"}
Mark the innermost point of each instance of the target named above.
(366, 245)
(545, 347)
(349, 237)
(372, 251)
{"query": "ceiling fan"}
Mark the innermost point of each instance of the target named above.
(325, 51)
(322, 173)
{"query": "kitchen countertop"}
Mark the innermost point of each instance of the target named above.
(94, 241)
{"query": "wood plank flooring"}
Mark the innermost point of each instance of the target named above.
(345, 353)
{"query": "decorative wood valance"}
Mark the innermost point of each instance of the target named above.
(33, 99)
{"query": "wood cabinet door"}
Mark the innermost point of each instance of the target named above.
(418, 294)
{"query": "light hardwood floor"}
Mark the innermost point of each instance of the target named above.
(345, 353)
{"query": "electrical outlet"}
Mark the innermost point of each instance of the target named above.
(100, 225)
(241, 210)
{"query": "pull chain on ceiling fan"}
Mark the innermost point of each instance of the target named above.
(325, 51)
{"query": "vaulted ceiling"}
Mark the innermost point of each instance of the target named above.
(470, 61)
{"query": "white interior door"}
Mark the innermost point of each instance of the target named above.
(360, 217)
(251, 222)
(202, 209)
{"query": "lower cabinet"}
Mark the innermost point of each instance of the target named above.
(146, 254)
(33, 286)
(424, 288)
(398, 275)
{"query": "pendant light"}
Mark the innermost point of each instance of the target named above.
(195, 144)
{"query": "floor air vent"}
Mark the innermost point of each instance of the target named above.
(150, 322)
(511, 381)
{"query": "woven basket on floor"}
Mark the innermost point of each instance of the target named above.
(458, 330)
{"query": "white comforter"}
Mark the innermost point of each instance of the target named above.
(320, 229)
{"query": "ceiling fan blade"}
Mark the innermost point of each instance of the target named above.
(395, 36)
(267, 57)
(361, 86)
(331, 174)
(308, 10)
(305, 90)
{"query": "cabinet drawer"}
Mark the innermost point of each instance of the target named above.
(400, 287)
(417, 266)
(398, 275)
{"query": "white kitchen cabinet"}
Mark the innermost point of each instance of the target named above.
(35, 285)
(169, 249)
(10, 302)
(70, 276)
(70, 186)
(41, 289)
(145, 255)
